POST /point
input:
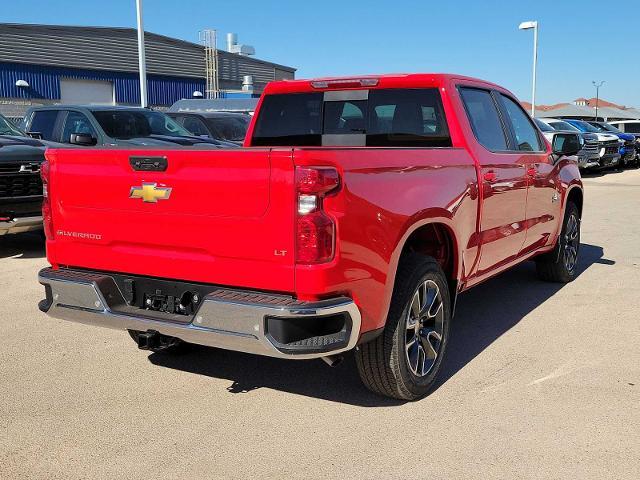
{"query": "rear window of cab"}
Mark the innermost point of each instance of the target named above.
(380, 117)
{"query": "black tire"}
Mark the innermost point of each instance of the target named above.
(164, 344)
(383, 363)
(561, 264)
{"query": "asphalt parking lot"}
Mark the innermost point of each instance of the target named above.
(541, 381)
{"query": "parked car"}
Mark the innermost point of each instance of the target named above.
(632, 127)
(589, 154)
(608, 144)
(371, 204)
(231, 105)
(225, 126)
(20, 182)
(110, 125)
(628, 147)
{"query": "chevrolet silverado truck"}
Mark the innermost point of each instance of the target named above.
(589, 154)
(356, 212)
(628, 142)
(20, 183)
(608, 144)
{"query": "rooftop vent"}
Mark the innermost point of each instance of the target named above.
(234, 47)
(247, 83)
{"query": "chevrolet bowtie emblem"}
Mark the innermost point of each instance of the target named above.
(150, 193)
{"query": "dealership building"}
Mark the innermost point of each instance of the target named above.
(45, 64)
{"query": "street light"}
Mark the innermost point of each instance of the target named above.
(527, 26)
(597, 85)
(141, 56)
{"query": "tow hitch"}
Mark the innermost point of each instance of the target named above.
(154, 341)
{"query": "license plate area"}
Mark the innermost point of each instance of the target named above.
(170, 300)
(185, 304)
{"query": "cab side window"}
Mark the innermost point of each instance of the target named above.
(484, 118)
(76, 122)
(195, 126)
(44, 122)
(527, 138)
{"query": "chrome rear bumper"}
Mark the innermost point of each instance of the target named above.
(230, 319)
(21, 224)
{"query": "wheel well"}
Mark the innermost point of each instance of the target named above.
(437, 241)
(575, 196)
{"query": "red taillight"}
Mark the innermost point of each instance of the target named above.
(46, 201)
(315, 230)
(315, 238)
(316, 180)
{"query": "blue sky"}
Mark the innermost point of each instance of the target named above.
(580, 41)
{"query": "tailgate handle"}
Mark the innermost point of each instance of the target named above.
(148, 164)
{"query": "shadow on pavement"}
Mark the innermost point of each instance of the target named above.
(483, 315)
(486, 312)
(22, 245)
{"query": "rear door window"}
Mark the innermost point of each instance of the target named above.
(484, 118)
(526, 135)
(44, 122)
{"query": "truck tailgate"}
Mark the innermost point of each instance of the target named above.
(221, 216)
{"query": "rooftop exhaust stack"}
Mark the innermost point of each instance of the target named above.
(232, 40)
(234, 47)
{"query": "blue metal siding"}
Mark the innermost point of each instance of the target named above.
(44, 83)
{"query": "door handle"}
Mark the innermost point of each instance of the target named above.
(490, 176)
(531, 171)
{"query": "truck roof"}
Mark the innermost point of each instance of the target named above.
(96, 108)
(389, 80)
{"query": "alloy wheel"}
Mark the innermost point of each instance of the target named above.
(424, 328)
(571, 243)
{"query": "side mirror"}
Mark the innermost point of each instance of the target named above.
(83, 139)
(36, 135)
(566, 144)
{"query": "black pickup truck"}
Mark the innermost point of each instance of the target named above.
(20, 182)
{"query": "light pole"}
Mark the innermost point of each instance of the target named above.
(141, 56)
(527, 26)
(597, 85)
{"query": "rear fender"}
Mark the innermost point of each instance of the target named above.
(442, 217)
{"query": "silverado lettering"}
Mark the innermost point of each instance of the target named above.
(357, 211)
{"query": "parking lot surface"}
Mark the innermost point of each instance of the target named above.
(541, 381)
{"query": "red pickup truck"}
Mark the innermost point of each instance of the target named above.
(357, 211)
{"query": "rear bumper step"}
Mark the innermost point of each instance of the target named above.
(240, 320)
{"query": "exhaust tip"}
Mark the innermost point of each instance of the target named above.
(333, 360)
